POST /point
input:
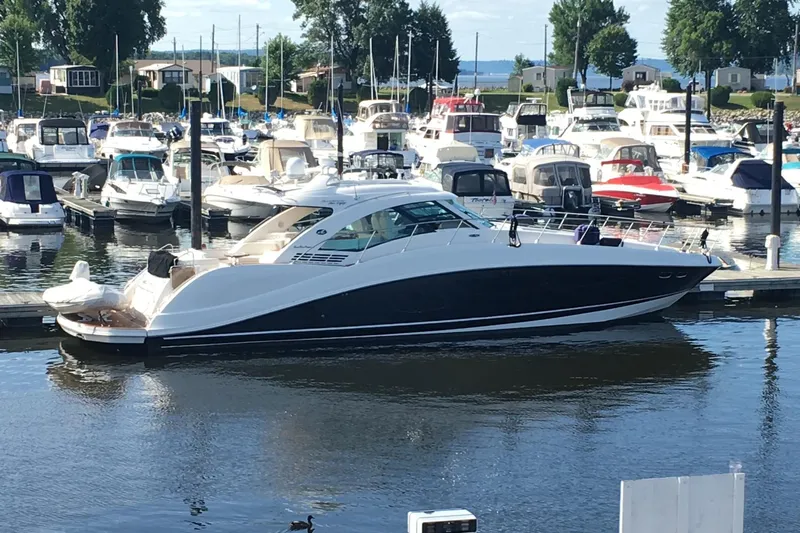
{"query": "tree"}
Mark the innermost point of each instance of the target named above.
(310, 54)
(430, 25)
(290, 67)
(18, 28)
(171, 97)
(581, 20)
(317, 93)
(698, 32)
(765, 31)
(611, 50)
(520, 63)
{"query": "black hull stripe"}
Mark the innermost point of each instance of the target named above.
(405, 329)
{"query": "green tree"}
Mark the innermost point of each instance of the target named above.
(317, 93)
(310, 54)
(581, 20)
(611, 50)
(290, 66)
(18, 28)
(386, 20)
(698, 35)
(430, 25)
(765, 31)
(520, 63)
(171, 97)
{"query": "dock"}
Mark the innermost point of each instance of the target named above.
(214, 217)
(85, 213)
(691, 204)
(23, 308)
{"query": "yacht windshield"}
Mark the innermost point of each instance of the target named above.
(468, 213)
(596, 124)
(138, 169)
(473, 123)
(67, 136)
(25, 131)
(133, 130)
(215, 128)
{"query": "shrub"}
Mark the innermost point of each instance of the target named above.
(628, 85)
(527, 88)
(561, 90)
(762, 99)
(317, 93)
(671, 85)
(720, 96)
(364, 92)
(124, 96)
(171, 96)
(192, 93)
(787, 90)
(149, 92)
(620, 99)
(228, 92)
(273, 93)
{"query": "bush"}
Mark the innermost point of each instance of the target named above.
(228, 92)
(720, 96)
(124, 96)
(620, 99)
(527, 88)
(364, 93)
(149, 92)
(787, 90)
(317, 93)
(762, 99)
(192, 93)
(561, 90)
(273, 93)
(171, 96)
(628, 85)
(671, 85)
(418, 98)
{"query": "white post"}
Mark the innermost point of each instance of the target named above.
(436, 86)
(280, 36)
(373, 92)
(19, 85)
(183, 78)
(266, 77)
(408, 80)
(773, 252)
(133, 112)
(330, 77)
(116, 48)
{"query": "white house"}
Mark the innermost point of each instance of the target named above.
(5, 80)
(641, 73)
(76, 79)
(160, 74)
(243, 78)
(737, 78)
(304, 79)
(537, 77)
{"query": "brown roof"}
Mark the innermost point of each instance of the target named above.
(193, 64)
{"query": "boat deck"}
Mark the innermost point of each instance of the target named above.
(111, 319)
(86, 213)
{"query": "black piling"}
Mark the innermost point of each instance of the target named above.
(777, 167)
(340, 129)
(687, 139)
(196, 178)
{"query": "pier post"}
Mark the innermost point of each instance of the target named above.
(339, 128)
(687, 140)
(195, 177)
(774, 238)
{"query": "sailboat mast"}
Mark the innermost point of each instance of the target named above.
(374, 91)
(183, 78)
(19, 90)
(408, 80)
(220, 91)
(281, 38)
(330, 76)
(116, 50)
(266, 79)
(436, 86)
(239, 84)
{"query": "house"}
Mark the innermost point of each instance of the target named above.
(5, 81)
(737, 78)
(641, 74)
(243, 78)
(160, 74)
(76, 79)
(304, 79)
(538, 77)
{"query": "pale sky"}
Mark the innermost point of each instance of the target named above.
(516, 27)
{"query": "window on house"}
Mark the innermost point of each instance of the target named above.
(83, 78)
(733, 77)
(640, 76)
(173, 76)
(538, 76)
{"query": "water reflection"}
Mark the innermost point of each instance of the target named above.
(27, 254)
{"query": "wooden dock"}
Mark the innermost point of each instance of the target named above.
(690, 204)
(213, 216)
(23, 308)
(85, 213)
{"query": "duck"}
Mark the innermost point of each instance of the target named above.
(300, 524)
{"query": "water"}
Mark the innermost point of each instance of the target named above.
(531, 434)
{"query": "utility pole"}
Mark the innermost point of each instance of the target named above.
(475, 78)
(545, 64)
(577, 42)
(794, 62)
(213, 57)
(200, 79)
(257, 52)
(174, 51)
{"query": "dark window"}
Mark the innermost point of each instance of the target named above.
(519, 175)
(585, 175)
(496, 183)
(468, 184)
(545, 176)
(447, 182)
(567, 175)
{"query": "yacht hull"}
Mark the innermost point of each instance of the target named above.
(135, 211)
(241, 209)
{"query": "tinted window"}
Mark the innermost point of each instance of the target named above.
(447, 182)
(519, 175)
(468, 184)
(496, 183)
(545, 176)
(586, 176)
(567, 175)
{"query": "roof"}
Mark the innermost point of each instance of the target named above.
(538, 143)
(550, 159)
(363, 153)
(72, 66)
(621, 141)
(191, 64)
(549, 67)
(707, 152)
(186, 144)
(62, 123)
(642, 65)
(163, 66)
(239, 68)
(733, 67)
(465, 166)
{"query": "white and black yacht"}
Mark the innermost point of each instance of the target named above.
(379, 261)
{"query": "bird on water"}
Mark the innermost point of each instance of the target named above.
(300, 524)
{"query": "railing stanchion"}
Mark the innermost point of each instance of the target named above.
(542, 232)
(360, 257)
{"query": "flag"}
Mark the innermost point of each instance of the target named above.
(242, 113)
(19, 113)
(408, 108)
(183, 114)
(266, 118)
(333, 114)
(281, 114)
(115, 113)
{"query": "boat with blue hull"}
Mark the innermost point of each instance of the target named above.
(382, 262)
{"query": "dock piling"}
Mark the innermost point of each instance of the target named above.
(196, 178)
(774, 239)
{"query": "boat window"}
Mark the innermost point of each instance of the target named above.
(567, 175)
(133, 130)
(596, 124)
(66, 136)
(585, 175)
(392, 224)
(473, 123)
(33, 189)
(301, 152)
(16, 164)
(496, 183)
(469, 213)
(139, 169)
(661, 131)
(468, 184)
(25, 131)
(545, 176)
(215, 128)
(519, 175)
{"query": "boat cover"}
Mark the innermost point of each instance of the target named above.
(159, 262)
(755, 174)
(32, 187)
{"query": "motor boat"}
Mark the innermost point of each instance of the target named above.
(138, 190)
(61, 144)
(19, 132)
(383, 261)
(704, 158)
(380, 125)
(790, 167)
(592, 117)
(219, 131)
(377, 164)
(613, 150)
(534, 148)
(131, 137)
(177, 166)
(273, 157)
(652, 193)
(557, 182)
(28, 200)
(523, 120)
(753, 136)
(481, 188)
(745, 182)
(318, 131)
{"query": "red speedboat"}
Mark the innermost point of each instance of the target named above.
(653, 194)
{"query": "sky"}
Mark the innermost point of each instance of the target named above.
(516, 28)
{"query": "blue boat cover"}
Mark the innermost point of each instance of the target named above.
(27, 187)
(755, 174)
(707, 152)
(539, 142)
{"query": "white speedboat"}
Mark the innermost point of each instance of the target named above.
(591, 118)
(131, 137)
(178, 163)
(61, 144)
(138, 189)
(745, 182)
(28, 199)
(219, 131)
(386, 261)
(20, 130)
(523, 120)
(790, 166)
(318, 131)
(380, 125)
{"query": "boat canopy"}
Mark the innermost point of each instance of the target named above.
(273, 154)
(31, 187)
(136, 167)
(755, 174)
(315, 127)
(66, 131)
(99, 130)
(457, 151)
(542, 146)
(711, 156)
(474, 179)
(368, 159)
(11, 161)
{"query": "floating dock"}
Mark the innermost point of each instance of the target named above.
(214, 217)
(22, 308)
(85, 213)
(691, 204)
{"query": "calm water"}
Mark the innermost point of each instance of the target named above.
(531, 435)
